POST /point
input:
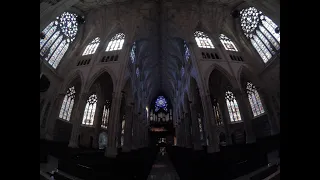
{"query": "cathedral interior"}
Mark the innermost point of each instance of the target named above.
(159, 89)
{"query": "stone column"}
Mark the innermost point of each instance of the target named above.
(182, 130)
(195, 128)
(54, 115)
(77, 115)
(187, 130)
(135, 128)
(210, 124)
(272, 117)
(128, 130)
(225, 118)
(244, 107)
(140, 132)
(113, 124)
(97, 123)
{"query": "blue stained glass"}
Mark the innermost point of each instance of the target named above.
(132, 53)
(187, 52)
(161, 102)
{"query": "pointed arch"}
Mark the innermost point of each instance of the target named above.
(114, 31)
(92, 47)
(248, 83)
(244, 73)
(73, 79)
(223, 71)
(93, 78)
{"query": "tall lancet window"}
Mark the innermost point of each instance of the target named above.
(92, 47)
(254, 99)
(133, 53)
(217, 113)
(116, 42)
(122, 129)
(67, 104)
(233, 108)
(227, 43)
(106, 114)
(58, 35)
(200, 127)
(203, 40)
(186, 51)
(90, 110)
(263, 33)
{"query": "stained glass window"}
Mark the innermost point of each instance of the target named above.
(259, 27)
(58, 35)
(106, 114)
(123, 124)
(122, 129)
(203, 40)
(90, 109)
(186, 51)
(133, 53)
(59, 49)
(67, 104)
(254, 99)
(161, 102)
(217, 113)
(182, 71)
(227, 43)
(92, 47)
(200, 126)
(233, 108)
(116, 42)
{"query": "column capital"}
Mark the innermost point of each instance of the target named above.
(84, 95)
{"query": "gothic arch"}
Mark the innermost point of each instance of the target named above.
(201, 26)
(73, 78)
(98, 74)
(244, 73)
(223, 71)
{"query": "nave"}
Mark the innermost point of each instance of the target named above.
(256, 161)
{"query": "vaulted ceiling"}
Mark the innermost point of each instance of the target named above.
(161, 52)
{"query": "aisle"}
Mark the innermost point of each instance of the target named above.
(163, 169)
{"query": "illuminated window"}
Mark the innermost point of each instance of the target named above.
(161, 103)
(182, 71)
(254, 99)
(203, 41)
(67, 104)
(92, 47)
(186, 51)
(116, 42)
(233, 108)
(133, 53)
(261, 31)
(137, 72)
(122, 129)
(58, 36)
(106, 114)
(217, 113)
(90, 110)
(227, 43)
(200, 126)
